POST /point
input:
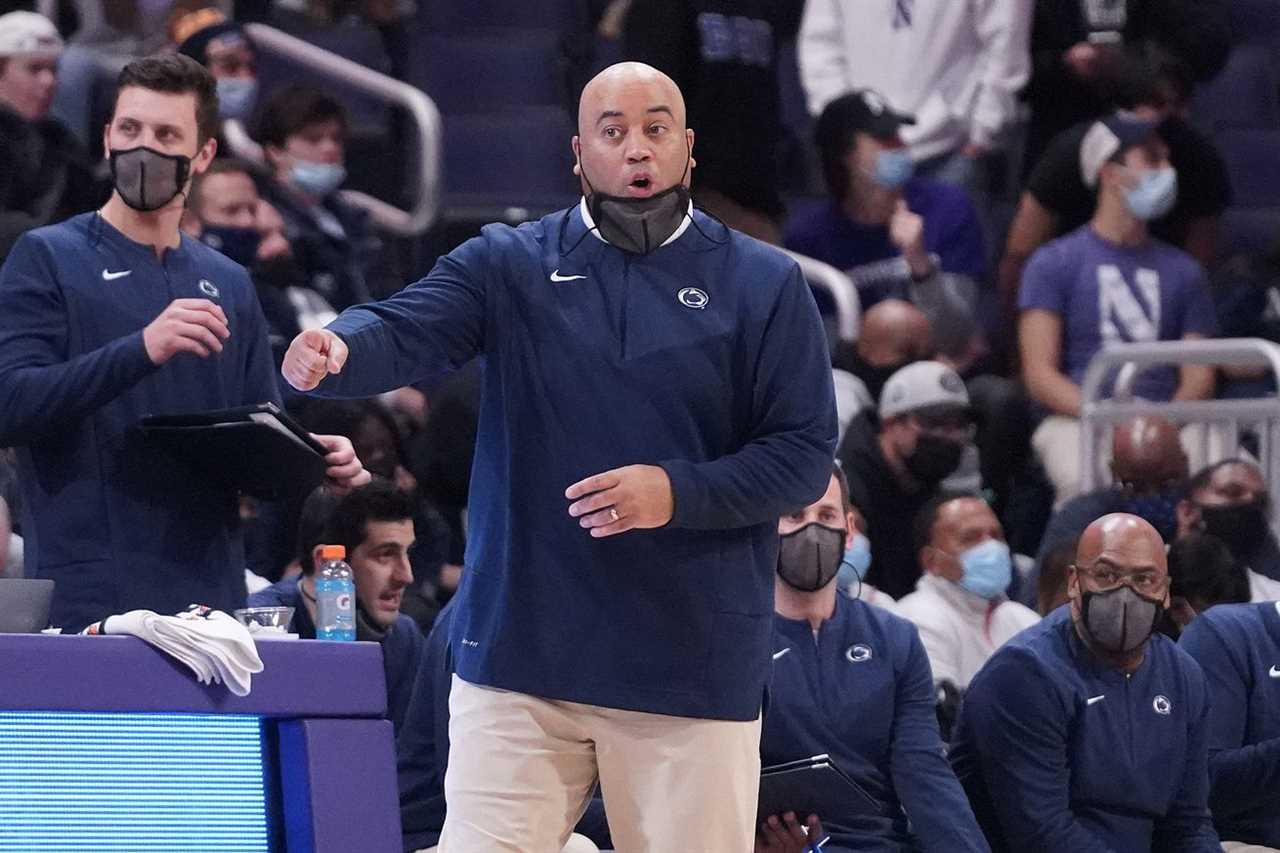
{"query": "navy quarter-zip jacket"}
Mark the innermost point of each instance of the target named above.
(117, 524)
(1061, 754)
(1238, 647)
(706, 357)
(862, 692)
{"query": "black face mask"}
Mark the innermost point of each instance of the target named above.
(638, 225)
(809, 558)
(934, 459)
(368, 631)
(238, 244)
(1242, 527)
(147, 179)
(873, 377)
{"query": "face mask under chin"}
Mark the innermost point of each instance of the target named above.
(639, 225)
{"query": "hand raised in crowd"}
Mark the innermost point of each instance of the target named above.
(906, 232)
(312, 355)
(186, 325)
(637, 497)
(786, 834)
(345, 471)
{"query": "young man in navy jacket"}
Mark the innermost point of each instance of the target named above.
(1086, 733)
(1238, 646)
(657, 392)
(114, 315)
(852, 680)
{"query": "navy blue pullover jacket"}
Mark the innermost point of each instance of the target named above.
(402, 646)
(1238, 647)
(1061, 754)
(707, 357)
(117, 524)
(862, 692)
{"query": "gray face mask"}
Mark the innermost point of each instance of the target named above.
(809, 558)
(1118, 620)
(147, 179)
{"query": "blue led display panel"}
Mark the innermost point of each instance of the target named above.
(72, 782)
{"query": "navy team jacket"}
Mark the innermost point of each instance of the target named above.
(1238, 647)
(861, 691)
(706, 357)
(118, 525)
(1061, 754)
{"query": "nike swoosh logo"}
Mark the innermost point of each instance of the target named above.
(1275, 672)
(555, 276)
(1093, 700)
(112, 276)
(777, 655)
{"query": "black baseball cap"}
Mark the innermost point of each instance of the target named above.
(863, 111)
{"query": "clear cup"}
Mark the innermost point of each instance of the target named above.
(265, 619)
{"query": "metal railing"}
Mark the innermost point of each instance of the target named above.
(843, 292)
(1125, 362)
(420, 108)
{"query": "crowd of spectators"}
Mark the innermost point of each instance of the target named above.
(1011, 187)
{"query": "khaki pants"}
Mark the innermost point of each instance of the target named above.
(1057, 444)
(521, 770)
(577, 844)
(1241, 847)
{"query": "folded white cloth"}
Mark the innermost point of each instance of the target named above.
(213, 645)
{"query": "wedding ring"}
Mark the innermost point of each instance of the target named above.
(613, 513)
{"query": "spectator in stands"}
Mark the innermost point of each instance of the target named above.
(303, 133)
(1051, 586)
(221, 45)
(727, 66)
(1109, 282)
(422, 754)
(958, 67)
(375, 524)
(959, 604)
(1202, 573)
(1088, 731)
(893, 334)
(1148, 478)
(46, 174)
(1156, 87)
(1229, 500)
(1238, 647)
(1077, 49)
(853, 681)
(78, 370)
(851, 579)
(894, 236)
(894, 468)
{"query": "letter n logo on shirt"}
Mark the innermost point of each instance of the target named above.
(1122, 315)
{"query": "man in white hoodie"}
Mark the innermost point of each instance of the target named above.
(959, 604)
(956, 65)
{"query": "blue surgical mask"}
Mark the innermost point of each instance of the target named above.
(1159, 509)
(857, 559)
(1155, 194)
(318, 179)
(236, 97)
(988, 569)
(894, 168)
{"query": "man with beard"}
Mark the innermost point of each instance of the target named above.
(1089, 732)
(895, 469)
(656, 393)
(1229, 500)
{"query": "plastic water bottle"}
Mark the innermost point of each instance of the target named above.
(335, 596)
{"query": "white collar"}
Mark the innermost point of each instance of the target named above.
(591, 223)
(960, 598)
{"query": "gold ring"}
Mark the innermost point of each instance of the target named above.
(613, 513)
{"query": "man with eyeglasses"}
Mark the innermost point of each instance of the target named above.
(1089, 732)
(896, 469)
(1229, 500)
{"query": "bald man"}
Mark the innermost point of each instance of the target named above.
(656, 394)
(1088, 733)
(1149, 477)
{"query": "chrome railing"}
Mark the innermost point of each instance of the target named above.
(843, 292)
(421, 109)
